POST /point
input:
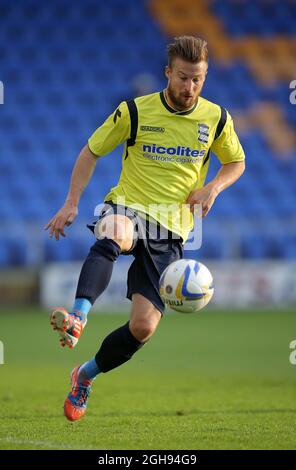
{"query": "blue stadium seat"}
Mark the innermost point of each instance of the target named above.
(259, 18)
(67, 249)
(255, 247)
(12, 252)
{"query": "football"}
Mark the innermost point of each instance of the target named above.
(186, 286)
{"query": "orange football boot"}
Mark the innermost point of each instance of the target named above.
(68, 325)
(76, 401)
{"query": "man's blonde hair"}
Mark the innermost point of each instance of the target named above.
(188, 48)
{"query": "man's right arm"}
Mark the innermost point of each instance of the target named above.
(81, 174)
(114, 131)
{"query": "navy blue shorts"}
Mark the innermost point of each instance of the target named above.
(154, 248)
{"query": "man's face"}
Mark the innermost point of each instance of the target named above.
(185, 82)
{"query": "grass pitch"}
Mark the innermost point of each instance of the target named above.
(211, 380)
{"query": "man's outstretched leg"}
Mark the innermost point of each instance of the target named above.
(116, 349)
(94, 277)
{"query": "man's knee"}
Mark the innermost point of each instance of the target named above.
(142, 328)
(118, 228)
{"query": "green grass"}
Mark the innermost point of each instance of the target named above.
(212, 380)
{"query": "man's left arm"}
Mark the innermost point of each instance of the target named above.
(231, 155)
(226, 176)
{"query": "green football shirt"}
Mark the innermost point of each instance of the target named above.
(166, 154)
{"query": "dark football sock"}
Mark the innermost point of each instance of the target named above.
(117, 348)
(97, 269)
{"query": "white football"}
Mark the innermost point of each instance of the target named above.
(186, 286)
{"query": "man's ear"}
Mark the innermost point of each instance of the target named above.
(167, 71)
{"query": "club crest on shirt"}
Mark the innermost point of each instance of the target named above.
(203, 133)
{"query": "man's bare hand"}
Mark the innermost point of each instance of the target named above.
(204, 196)
(64, 217)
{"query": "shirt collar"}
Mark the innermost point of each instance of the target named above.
(172, 110)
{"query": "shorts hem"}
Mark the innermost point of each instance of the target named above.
(130, 294)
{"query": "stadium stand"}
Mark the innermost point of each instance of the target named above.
(66, 65)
